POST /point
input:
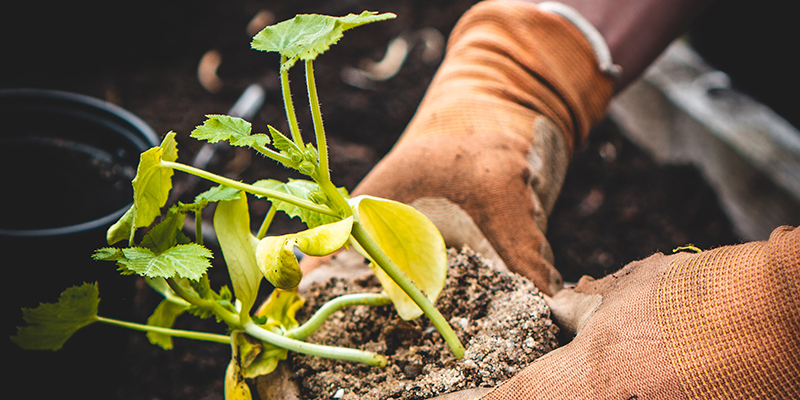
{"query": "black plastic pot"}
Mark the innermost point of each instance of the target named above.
(66, 162)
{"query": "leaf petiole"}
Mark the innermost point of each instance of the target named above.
(251, 189)
(208, 337)
(262, 231)
(287, 104)
(323, 176)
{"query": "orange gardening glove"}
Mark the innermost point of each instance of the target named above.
(719, 324)
(485, 155)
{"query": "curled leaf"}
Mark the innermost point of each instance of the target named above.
(411, 241)
(121, 230)
(275, 254)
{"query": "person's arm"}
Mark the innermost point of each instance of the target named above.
(637, 31)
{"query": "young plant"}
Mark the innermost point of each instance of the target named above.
(405, 250)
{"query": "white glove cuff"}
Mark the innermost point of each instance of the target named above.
(591, 34)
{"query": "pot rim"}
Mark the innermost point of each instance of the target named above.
(104, 109)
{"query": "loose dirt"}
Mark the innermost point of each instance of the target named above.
(500, 317)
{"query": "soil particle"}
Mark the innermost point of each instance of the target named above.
(501, 318)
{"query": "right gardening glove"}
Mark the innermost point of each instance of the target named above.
(485, 155)
(719, 324)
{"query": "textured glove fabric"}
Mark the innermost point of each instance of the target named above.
(720, 324)
(730, 320)
(518, 90)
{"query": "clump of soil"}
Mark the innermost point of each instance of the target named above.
(500, 317)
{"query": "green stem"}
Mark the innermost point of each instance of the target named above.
(273, 194)
(391, 269)
(316, 116)
(198, 226)
(323, 176)
(262, 231)
(294, 128)
(357, 299)
(298, 346)
(208, 337)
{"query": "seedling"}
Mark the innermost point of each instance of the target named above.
(405, 250)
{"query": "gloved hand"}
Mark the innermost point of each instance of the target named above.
(719, 324)
(485, 155)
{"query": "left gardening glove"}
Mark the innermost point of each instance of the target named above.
(486, 153)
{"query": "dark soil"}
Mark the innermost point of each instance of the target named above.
(617, 205)
(500, 317)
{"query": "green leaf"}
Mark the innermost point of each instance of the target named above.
(306, 36)
(185, 261)
(275, 254)
(121, 230)
(51, 324)
(235, 130)
(232, 227)
(411, 241)
(108, 254)
(153, 182)
(169, 147)
(283, 143)
(303, 189)
(213, 195)
(304, 158)
(166, 233)
(218, 193)
(164, 316)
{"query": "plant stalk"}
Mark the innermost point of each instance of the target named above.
(394, 272)
(262, 230)
(323, 177)
(297, 346)
(291, 116)
(357, 299)
(316, 116)
(198, 226)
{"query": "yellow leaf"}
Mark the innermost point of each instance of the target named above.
(411, 241)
